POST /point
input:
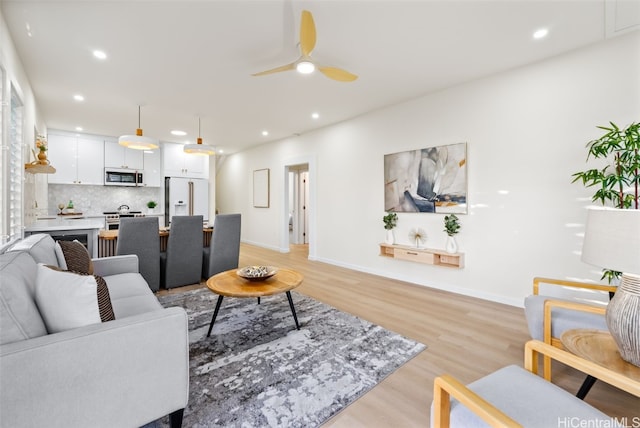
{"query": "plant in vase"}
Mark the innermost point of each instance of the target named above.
(452, 227)
(390, 221)
(620, 174)
(152, 205)
(41, 145)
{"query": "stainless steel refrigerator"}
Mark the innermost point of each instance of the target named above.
(185, 196)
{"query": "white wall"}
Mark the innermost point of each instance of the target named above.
(526, 131)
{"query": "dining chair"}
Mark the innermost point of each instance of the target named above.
(181, 264)
(141, 236)
(223, 252)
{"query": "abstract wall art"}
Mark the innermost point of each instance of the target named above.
(429, 180)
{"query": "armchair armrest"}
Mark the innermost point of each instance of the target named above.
(106, 266)
(576, 284)
(126, 372)
(446, 386)
(546, 325)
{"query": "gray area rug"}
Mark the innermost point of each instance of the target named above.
(257, 370)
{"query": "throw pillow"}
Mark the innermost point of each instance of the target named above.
(60, 256)
(69, 300)
(77, 257)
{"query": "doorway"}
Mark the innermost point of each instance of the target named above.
(298, 213)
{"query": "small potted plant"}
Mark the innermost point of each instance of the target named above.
(451, 226)
(152, 205)
(390, 221)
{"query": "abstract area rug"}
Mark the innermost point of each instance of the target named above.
(257, 370)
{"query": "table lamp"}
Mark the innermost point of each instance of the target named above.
(612, 241)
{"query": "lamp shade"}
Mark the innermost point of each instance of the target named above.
(612, 239)
(138, 142)
(199, 149)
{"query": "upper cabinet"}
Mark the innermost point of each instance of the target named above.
(77, 159)
(177, 163)
(152, 168)
(117, 156)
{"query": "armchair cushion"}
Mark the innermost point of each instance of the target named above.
(562, 319)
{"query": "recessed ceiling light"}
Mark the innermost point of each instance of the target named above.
(220, 151)
(99, 54)
(315, 115)
(540, 34)
(265, 133)
(178, 133)
(78, 128)
(78, 97)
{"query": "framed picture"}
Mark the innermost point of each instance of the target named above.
(261, 188)
(430, 180)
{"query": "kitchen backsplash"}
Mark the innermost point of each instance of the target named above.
(94, 200)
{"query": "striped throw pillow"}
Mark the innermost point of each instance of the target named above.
(77, 257)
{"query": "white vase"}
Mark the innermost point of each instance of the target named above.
(623, 318)
(452, 245)
(391, 238)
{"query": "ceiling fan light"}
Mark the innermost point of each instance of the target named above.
(305, 67)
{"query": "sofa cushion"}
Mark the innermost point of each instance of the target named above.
(76, 257)
(131, 295)
(40, 246)
(19, 315)
(62, 263)
(70, 300)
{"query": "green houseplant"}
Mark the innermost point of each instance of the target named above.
(152, 204)
(452, 227)
(617, 184)
(390, 221)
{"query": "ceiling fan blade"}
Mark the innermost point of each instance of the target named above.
(277, 69)
(307, 33)
(337, 74)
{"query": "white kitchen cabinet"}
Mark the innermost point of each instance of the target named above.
(152, 169)
(117, 156)
(77, 160)
(177, 163)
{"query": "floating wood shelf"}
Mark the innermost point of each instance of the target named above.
(423, 255)
(38, 168)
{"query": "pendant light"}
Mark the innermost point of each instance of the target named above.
(137, 141)
(199, 148)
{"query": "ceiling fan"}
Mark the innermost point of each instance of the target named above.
(305, 64)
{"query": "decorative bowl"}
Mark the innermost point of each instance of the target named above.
(256, 273)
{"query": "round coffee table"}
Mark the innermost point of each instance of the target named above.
(229, 284)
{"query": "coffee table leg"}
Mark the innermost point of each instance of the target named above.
(215, 314)
(293, 310)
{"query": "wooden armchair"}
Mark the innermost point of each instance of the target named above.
(515, 397)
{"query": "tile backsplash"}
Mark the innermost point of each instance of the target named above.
(94, 200)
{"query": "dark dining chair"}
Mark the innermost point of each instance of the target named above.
(223, 252)
(141, 236)
(181, 264)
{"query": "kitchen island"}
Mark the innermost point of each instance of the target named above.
(84, 230)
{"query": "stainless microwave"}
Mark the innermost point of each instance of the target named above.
(122, 177)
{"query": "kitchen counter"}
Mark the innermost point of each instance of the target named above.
(84, 230)
(65, 224)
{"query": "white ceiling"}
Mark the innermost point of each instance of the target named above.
(184, 59)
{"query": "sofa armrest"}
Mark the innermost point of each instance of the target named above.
(126, 372)
(575, 284)
(107, 266)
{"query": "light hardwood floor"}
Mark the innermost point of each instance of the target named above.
(465, 337)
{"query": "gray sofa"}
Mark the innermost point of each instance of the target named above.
(122, 373)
